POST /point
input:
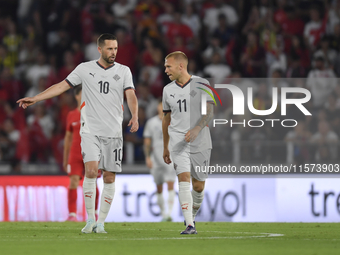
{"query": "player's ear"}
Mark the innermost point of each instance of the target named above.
(99, 49)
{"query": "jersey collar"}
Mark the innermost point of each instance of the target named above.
(184, 83)
(104, 67)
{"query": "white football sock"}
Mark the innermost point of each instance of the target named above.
(106, 201)
(197, 199)
(185, 200)
(171, 198)
(89, 190)
(160, 202)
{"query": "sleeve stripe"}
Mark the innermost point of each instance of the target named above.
(69, 83)
(166, 110)
(129, 88)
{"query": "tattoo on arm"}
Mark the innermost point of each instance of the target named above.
(206, 118)
(165, 114)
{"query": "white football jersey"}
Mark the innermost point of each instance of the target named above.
(102, 96)
(184, 103)
(153, 130)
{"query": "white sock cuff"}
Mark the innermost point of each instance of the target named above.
(197, 195)
(109, 185)
(171, 193)
(184, 186)
(90, 180)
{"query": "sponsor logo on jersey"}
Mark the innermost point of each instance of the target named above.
(93, 74)
(172, 95)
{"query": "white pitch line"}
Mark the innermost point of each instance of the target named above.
(138, 239)
(259, 235)
(204, 231)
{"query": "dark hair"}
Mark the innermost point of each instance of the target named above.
(77, 89)
(101, 39)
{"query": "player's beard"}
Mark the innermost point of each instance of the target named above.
(108, 60)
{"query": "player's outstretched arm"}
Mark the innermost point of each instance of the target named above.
(133, 106)
(165, 124)
(191, 135)
(52, 91)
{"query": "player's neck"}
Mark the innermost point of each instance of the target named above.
(183, 79)
(103, 63)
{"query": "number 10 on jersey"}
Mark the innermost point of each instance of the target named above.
(104, 87)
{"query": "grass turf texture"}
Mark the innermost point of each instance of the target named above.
(163, 238)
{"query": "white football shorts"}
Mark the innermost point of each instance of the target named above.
(108, 151)
(187, 162)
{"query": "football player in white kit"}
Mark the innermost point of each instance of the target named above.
(104, 83)
(186, 136)
(161, 172)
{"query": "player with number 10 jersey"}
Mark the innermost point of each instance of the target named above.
(102, 97)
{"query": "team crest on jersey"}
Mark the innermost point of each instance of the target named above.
(116, 77)
(193, 93)
(175, 166)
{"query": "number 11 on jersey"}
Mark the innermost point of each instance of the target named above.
(184, 102)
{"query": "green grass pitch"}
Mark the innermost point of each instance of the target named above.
(164, 238)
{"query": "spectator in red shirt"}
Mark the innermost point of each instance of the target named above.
(291, 26)
(177, 28)
(280, 15)
(151, 55)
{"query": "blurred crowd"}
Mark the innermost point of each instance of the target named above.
(42, 41)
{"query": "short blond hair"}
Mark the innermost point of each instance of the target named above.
(178, 55)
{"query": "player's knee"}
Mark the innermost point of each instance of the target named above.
(184, 177)
(198, 187)
(91, 173)
(108, 177)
